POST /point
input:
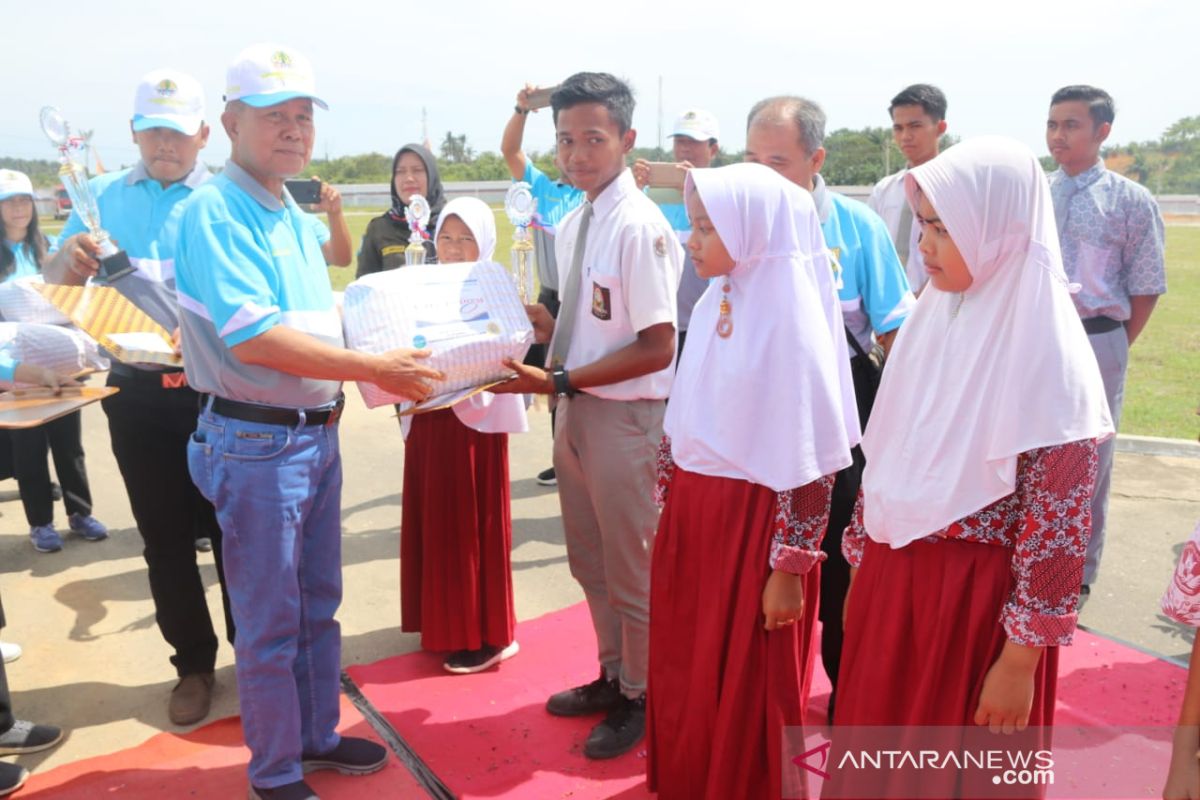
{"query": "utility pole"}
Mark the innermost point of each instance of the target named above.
(660, 115)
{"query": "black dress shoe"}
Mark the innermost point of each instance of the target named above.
(591, 698)
(352, 756)
(620, 731)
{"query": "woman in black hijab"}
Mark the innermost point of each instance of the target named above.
(414, 171)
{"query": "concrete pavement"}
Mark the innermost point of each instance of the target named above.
(95, 663)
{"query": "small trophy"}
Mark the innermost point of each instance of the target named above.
(417, 213)
(520, 207)
(114, 263)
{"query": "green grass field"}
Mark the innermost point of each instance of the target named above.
(1162, 391)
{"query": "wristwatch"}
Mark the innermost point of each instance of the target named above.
(562, 383)
(521, 111)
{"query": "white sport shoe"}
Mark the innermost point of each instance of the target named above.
(11, 651)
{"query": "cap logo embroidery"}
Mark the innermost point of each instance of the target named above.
(166, 87)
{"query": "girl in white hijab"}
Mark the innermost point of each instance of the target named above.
(974, 516)
(762, 415)
(456, 524)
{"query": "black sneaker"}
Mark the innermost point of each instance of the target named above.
(12, 777)
(592, 698)
(546, 478)
(620, 731)
(352, 756)
(464, 662)
(298, 790)
(25, 737)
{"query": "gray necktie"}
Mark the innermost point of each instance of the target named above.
(904, 233)
(564, 328)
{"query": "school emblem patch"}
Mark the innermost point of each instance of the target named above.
(660, 247)
(601, 302)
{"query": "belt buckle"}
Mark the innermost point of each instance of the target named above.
(174, 380)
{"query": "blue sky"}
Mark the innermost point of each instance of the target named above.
(379, 64)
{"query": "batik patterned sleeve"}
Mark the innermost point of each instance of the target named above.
(1182, 599)
(666, 471)
(854, 538)
(1142, 254)
(1054, 487)
(801, 516)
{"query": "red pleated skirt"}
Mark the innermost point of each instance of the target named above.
(922, 630)
(721, 689)
(456, 536)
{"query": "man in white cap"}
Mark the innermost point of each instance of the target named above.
(694, 136)
(151, 418)
(262, 341)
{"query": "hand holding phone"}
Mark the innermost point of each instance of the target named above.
(539, 98)
(666, 175)
(305, 192)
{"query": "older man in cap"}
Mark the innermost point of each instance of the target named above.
(262, 342)
(151, 418)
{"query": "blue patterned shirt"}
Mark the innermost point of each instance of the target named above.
(1112, 240)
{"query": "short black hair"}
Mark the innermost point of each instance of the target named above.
(930, 98)
(1100, 103)
(596, 87)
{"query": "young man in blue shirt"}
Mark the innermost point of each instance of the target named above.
(1112, 245)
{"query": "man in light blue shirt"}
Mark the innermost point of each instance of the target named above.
(1112, 245)
(262, 341)
(787, 134)
(152, 416)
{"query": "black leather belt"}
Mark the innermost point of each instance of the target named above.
(169, 378)
(273, 415)
(1101, 324)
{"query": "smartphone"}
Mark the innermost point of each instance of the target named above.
(540, 98)
(666, 175)
(304, 192)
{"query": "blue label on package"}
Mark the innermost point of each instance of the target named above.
(419, 342)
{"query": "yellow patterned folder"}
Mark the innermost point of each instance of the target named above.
(124, 330)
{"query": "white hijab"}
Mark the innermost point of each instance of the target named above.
(484, 412)
(773, 403)
(976, 378)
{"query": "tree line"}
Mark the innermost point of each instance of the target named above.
(1167, 165)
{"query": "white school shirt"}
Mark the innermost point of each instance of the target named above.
(631, 270)
(888, 201)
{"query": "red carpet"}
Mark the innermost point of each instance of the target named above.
(209, 762)
(488, 736)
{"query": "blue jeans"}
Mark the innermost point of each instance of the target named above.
(277, 492)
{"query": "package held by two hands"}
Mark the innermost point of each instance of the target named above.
(468, 315)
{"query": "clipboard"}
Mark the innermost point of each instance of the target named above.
(28, 408)
(105, 314)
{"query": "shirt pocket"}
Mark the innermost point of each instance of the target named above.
(1092, 273)
(605, 298)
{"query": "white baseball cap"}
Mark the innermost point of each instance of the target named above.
(168, 99)
(13, 183)
(696, 123)
(268, 74)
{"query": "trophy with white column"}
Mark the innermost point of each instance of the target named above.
(114, 262)
(417, 214)
(521, 207)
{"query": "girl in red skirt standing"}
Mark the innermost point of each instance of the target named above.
(973, 519)
(761, 416)
(456, 528)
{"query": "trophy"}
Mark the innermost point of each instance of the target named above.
(114, 263)
(520, 207)
(417, 214)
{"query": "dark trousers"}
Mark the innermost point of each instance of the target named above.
(63, 439)
(537, 353)
(150, 427)
(6, 716)
(835, 572)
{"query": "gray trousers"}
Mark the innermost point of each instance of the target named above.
(604, 459)
(1112, 354)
